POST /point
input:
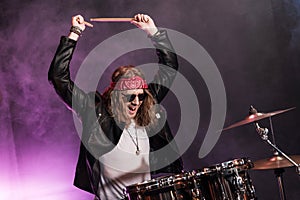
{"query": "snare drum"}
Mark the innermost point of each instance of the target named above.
(226, 181)
(174, 187)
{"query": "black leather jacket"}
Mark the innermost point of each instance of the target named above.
(100, 132)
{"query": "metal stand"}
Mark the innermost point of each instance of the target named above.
(279, 176)
(263, 132)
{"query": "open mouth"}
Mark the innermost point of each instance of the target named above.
(132, 109)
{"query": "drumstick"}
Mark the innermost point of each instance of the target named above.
(86, 23)
(111, 19)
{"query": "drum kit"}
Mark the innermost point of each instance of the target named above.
(229, 180)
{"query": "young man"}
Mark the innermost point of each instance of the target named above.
(123, 129)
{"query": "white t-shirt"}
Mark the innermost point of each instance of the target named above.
(122, 166)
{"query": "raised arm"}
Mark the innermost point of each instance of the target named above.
(167, 59)
(59, 72)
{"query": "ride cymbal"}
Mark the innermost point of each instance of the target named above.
(256, 117)
(275, 162)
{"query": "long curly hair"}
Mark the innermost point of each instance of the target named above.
(113, 98)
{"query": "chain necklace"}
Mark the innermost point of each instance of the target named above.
(136, 143)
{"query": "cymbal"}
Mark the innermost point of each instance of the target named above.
(256, 117)
(275, 162)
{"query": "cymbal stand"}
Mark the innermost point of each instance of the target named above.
(278, 172)
(273, 134)
(263, 133)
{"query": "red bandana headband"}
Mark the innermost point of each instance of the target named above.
(132, 83)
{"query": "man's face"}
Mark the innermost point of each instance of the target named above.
(132, 100)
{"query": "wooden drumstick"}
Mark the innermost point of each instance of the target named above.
(88, 24)
(111, 19)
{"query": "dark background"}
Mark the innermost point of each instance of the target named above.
(255, 45)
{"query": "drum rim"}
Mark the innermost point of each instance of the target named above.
(157, 183)
(243, 163)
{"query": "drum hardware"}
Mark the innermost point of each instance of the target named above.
(278, 168)
(277, 152)
(277, 162)
(174, 187)
(196, 192)
(239, 184)
(225, 181)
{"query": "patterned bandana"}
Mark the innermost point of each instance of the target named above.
(132, 83)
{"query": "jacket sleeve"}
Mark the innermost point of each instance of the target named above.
(168, 65)
(59, 76)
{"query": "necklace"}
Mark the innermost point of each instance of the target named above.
(136, 143)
